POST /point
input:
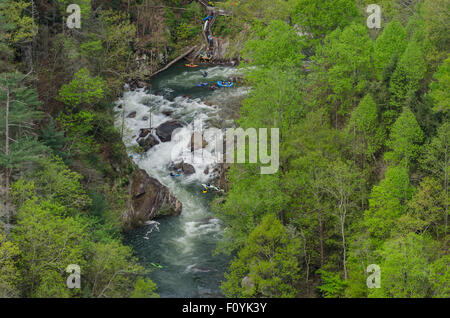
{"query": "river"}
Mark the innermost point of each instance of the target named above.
(184, 246)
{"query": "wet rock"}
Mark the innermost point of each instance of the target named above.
(131, 115)
(145, 118)
(206, 171)
(143, 132)
(147, 140)
(150, 200)
(187, 169)
(165, 130)
(177, 166)
(167, 112)
(141, 84)
(197, 141)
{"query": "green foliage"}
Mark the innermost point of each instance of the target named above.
(440, 89)
(265, 50)
(429, 208)
(22, 105)
(319, 18)
(9, 273)
(57, 183)
(364, 126)
(269, 262)
(55, 140)
(440, 276)
(405, 139)
(345, 62)
(332, 285)
(435, 160)
(144, 288)
(389, 46)
(111, 271)
(22, 27)
(83, 90)
(42, 264)
(405, 267)
(249, 200)
(79, 132)
(387, 203)
(407, 76)
(85, 6)
(257, 11)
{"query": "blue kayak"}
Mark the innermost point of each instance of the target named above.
(225, 84)
(202, 84)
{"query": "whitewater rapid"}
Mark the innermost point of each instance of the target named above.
(183, 245)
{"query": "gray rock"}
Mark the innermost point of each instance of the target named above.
(150, 200)
(131, 115)
(187, 169)
(165, 130)
(147, 141)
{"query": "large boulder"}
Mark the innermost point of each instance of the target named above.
(187, 169)
(197, 141)
(146, 139)
(165, 130)
(150, 200)
(147, 142)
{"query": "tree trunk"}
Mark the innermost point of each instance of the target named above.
(7, 153)
(321, 238)
(344, 255)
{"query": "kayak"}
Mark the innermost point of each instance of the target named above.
(202, 84)
(225, 84)
(156, 265)
(190, 65)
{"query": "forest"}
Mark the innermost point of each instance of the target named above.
(364, 133)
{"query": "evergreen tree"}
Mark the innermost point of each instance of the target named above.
(440, 89)
(404, 140)
(406, 267)
(319, 18)
(405, 81)
(345, 62)
(17, 115)
(387, 203)
(365, 128)
(389, 46)
(267, 266)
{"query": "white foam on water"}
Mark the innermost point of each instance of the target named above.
(157, 161)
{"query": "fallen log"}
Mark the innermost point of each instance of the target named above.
(174, 61)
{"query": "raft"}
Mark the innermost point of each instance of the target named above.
(225, 84)
(190, 65)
